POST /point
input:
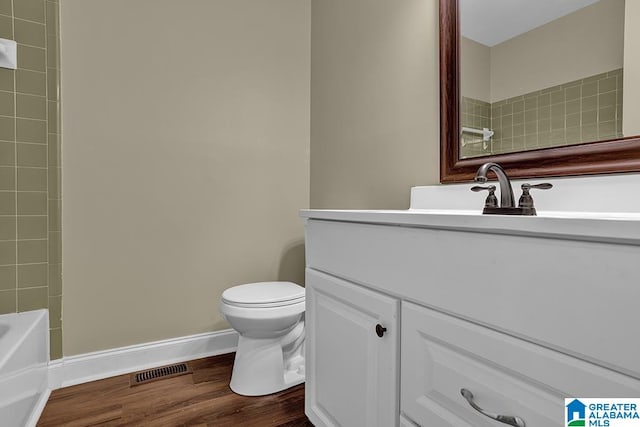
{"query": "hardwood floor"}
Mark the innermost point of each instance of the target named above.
(202, 398)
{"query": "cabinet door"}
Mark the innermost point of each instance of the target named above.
(352, 373)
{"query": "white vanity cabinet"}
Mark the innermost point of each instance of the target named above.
(520, 321)
(352, 343)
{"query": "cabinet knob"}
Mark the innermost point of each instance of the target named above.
(380, 330)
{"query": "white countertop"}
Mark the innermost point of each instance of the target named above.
(607, 227)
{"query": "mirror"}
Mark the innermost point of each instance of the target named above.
(553, 109)
(551, 76)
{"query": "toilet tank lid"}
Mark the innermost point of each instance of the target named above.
(263, 292)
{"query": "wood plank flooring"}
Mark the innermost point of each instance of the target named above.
(202, 398)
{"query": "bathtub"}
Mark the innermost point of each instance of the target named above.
(24, 356)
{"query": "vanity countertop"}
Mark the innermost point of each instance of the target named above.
(606, 227)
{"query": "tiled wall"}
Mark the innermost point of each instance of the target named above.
(30, 208)
(474, 114)
(584, 110)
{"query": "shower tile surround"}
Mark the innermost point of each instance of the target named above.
(474, 114)
(30, 167)
(584, 110)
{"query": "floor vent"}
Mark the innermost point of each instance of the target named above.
(160, 373)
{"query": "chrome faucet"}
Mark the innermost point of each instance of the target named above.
(506, 191)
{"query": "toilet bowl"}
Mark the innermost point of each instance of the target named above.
(269, 319)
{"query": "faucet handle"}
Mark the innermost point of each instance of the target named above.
(478, 188)
(491, 201)
(542, 186)
(526, 201)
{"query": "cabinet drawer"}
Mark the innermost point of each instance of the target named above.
(442, 354)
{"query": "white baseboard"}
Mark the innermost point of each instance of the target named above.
(83, 368)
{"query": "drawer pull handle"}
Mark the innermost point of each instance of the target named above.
(507, 419)
(380, 330)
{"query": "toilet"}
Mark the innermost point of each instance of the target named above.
(269, 318)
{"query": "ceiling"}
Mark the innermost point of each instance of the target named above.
(491, 22)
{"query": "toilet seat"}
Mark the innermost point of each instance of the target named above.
(264, 295)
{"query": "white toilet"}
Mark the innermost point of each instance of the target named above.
(269, 317)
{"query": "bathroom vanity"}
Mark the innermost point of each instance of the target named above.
(407, 308)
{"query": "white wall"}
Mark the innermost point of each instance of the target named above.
(186, 160)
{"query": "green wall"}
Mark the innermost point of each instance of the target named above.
(30, 241)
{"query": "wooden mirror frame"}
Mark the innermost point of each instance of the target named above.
(608, 156)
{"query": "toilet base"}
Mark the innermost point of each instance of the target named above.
(266, 366)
